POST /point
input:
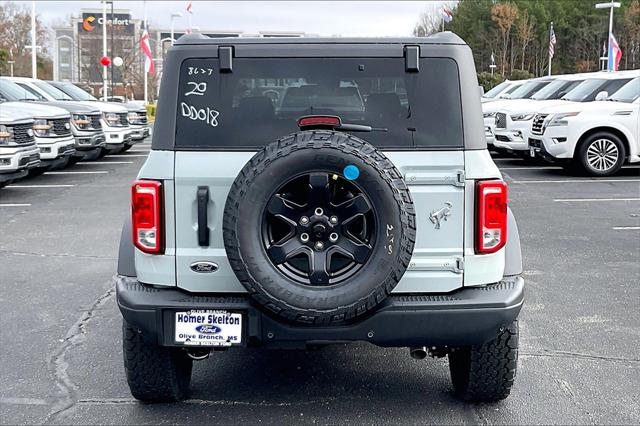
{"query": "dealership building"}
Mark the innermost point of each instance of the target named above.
(78, 49)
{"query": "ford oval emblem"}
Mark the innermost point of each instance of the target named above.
(204, 267)
(208, 328)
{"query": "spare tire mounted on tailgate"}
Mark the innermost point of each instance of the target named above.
(319, 227)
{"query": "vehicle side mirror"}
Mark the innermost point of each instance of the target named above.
(602, 96)
(481, 90)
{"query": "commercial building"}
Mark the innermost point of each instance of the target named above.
(78, 49)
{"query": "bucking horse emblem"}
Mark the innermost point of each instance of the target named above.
(440, 215)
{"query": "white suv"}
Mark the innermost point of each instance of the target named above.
(513, 122)
(524, 91)
(598, 137)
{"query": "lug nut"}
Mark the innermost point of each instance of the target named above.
(319, 245)
(333, 220)
(319, 211)
(304, 220)
(304, 237)
(333, 237)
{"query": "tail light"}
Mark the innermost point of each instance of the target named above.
(330, 121)
(491, 216)
(146, 218)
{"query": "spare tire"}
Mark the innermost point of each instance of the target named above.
(319, 227)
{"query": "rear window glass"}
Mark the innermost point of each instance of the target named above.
(262, 99)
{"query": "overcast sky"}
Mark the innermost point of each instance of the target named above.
(345, 18)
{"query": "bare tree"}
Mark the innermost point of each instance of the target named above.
(525, 30)
(429, 21)
(504, 15)
(15, 36)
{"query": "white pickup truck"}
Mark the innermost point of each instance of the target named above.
(18, 149)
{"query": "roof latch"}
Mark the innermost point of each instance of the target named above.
(225, 55)
(412, 58)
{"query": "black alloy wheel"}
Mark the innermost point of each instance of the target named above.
(319, 229)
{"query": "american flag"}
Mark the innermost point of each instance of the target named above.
(552, 43)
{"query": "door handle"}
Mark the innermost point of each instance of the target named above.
(203, 227)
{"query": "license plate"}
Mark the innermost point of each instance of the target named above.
(208, 328)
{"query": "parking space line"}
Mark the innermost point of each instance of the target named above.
(93, 172)
(90, 163)
(15, 205)
(627, 228)
(576, 181)
(530, 168)
(40, 186)
(578, 200)
(508, 159)
(128, 156)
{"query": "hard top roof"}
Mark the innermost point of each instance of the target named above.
(446, 37)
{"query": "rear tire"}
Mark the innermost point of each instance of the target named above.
(154, 373)
(485, 373)
(601, 154)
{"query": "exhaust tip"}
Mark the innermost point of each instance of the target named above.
(418, 353)
(198, 354)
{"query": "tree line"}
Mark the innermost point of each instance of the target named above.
(517, 33)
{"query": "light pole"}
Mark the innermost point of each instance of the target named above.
(610, 6)
(174, 15)
(105, 76)
(34, 68)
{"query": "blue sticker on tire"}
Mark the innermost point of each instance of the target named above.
(351, 172)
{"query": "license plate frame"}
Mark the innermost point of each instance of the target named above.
(208, 328)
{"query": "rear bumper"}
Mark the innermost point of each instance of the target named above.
(464, 317)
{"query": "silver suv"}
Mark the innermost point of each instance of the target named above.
(306, 192)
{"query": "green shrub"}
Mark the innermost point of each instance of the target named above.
(488, 81)
(151, 111)
(520, 75)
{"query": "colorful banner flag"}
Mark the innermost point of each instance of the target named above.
(149, 66)
(615, 53)
(447, 14)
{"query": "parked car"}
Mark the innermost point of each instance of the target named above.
(501, 90)
(252, 227)
(18, 150)
(513, 121)
(51, 127)
(596, 138)
(137, 115)
(114, 120)
(85, 120)
(524, 91)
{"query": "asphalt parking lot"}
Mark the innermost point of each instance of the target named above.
(60, 341)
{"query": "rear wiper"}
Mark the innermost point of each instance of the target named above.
(360, 128)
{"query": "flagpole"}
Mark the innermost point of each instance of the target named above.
(550, 57)
(146, 78)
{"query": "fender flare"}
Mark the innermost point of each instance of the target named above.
(513, 252)
(126, 252)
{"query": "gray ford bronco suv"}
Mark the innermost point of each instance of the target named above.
(303, 192)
